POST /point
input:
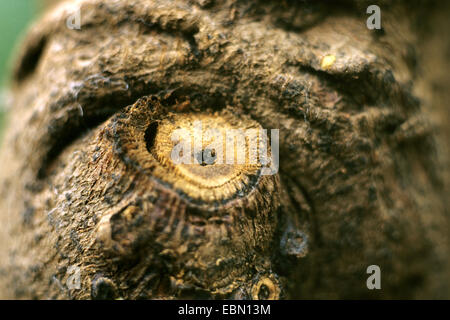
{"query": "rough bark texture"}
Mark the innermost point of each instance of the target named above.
(363, 165)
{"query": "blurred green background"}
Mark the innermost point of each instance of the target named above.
(15, 17)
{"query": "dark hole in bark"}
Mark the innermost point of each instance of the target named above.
(264, 292)
(30, 60)
(150, 135)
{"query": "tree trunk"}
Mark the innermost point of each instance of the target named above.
(92, 205)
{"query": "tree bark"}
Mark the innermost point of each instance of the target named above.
(92, 208)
